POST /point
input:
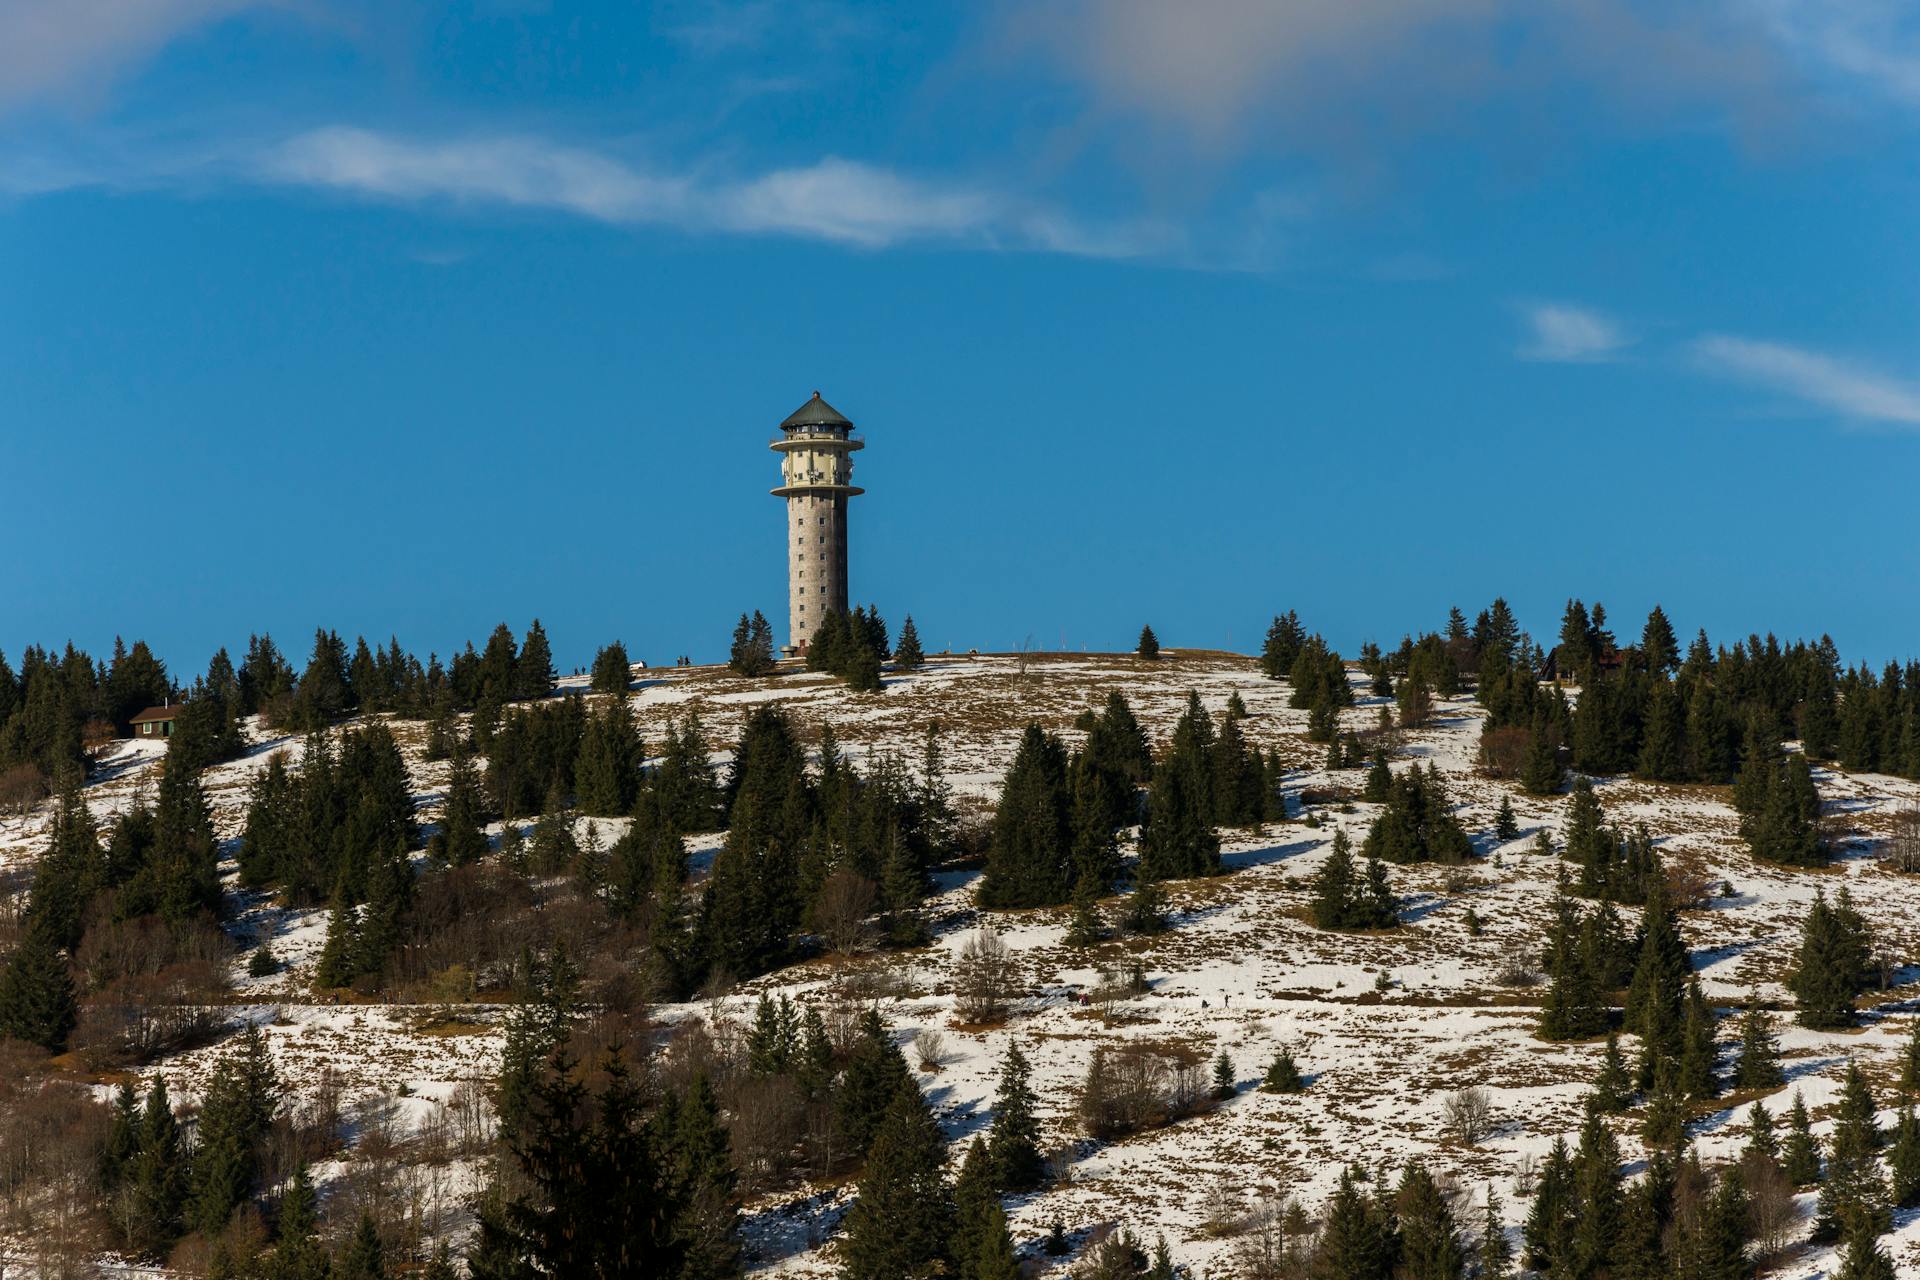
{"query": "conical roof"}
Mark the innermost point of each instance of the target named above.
(815, 413)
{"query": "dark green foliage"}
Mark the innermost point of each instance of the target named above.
(1149, 644)
(1013, 1143)
(1853, 1198)
(1864, 1259)
(1030, 853)
(1506, 826)
(906, 650)
(612, 672)
(1282, 646)
(533, 753)
(751, 653)
(1348, 897)
(1418, 825)
(596, 1199)
(1903, 1159)
(1178, 840)
(364, 1258)
(1283, 1074)
(298, 1254)
(1548, 1231)
(606, 774)
(1759, 1066)
(1495, 1252)
(1800, 1153)
(155, 1180)
(1359, 1239)
(1542, 772)
(1832, 965)
(902, 1222)
(1430, 1247)
(460, 839)
(325, 823)
(876, 1072)
(1910, 1059)
(1655, 999)
(1575, 1007)
(690, 794)
(37, 1002)
(699, 1178)
(1223, 1081)
(1379, 779)
(1696, 1078)
(235, 1119)
(1663, 1125)
(1613, 1086)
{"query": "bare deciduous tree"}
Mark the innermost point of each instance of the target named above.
(840, 914)
(930, 1046)
(1469, 1114)
(983, 979)
(1903, 844)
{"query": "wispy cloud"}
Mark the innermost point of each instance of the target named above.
(1817, 379)
(1570, 335)
(842, 201)
(59, 46)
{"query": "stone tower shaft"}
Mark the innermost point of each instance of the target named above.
(816, 450)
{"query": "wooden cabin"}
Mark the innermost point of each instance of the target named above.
(155, 722)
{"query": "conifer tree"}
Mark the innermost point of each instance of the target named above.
(1759, 1051)
(156, 1178)
(1800, 1153)
(697, 1169)
(1613, 1087)
(1495, 1254)
(1655, 998)
(611, 671)
(1903, 1159)
(1359, 1238)
(1865, 1260)
(1548, 1228)
(1541, 773)
(906, 650)
(1282, 645)
(1828, 968)
(37, 1002)
(1506, 826)
(1030, 850)
(533, 670)
(1379, 779)
(876, 1071)
(1697, 1048)
(974, 1198)
(1223, 1081)
(1283, 1074)
(364, 1258)
(1149, 646)
(460, 839)
(1429, 1243)
(298, 1254)
(903, 1220)
(1013, 1143)
(994, 1259)
(1178, 839)
(1853, 1198)
(1596, 1193)
(1659, 647)
(1664, 1123)
(1910, 1059)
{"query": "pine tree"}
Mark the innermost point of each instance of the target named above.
(461, 839)
(298, 1254)
(156, 1178)
(1613, 1087)
(1596, 1192)
(1697, 1048)
(1541, 773)
(1659, 647)
(1359, 1240)
(904, 1217)
(37, 1002)
(1149, 646)
(1283, 1075)
(1903, 1159)
(1655, 998)
(612, 673)
(1506, 826)
(1865, 1260)
(1495, 1254)
(1013, 1143)
(1334, 885)
(1223, 1081)
(906, 650)
(363, 1258)
(1759, 1051)
(699, 1175)
(533, 670)
(1853, 1198)
(1548, 1229)
(876, 1071)
(1178, 839)
(1827, 970)
(1800, 1153)
(1429, 1243)
(1030, 850)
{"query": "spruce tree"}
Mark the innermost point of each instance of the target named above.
(906, 650)
(1613, 1086)
(1853, 1198)
(1429, 1243)
(156, 1178)
(533, 671)
(1178, 840)
(1149, 645)
(460, 839)
(1223, 1081)
(364, 1258)
(1696, 1078)
(1540, 775)
(1903, 1159)
(1030, 849)
(1864, 1259)
(1283, 1074)
(1506, 826)
(37, 1002)
(1013, 1142)
(1826, 974)
(876, 1070)
(1359, 1239)
(903, 1220)
(1495, 1254)
(1800, 1153)
(298, 1254)
(1759, 1066)
(1910, 1059)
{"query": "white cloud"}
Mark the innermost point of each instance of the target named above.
(1568, 334)
(49, 47)
(1874, 43)
(837, 200)
(1818, 379)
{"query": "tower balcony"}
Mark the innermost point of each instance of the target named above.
(817, 440)
(795, 490)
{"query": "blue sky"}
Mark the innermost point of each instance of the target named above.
(406, 318)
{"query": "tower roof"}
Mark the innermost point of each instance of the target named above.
(815, 413)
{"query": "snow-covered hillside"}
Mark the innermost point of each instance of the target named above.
(1386, 1025)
